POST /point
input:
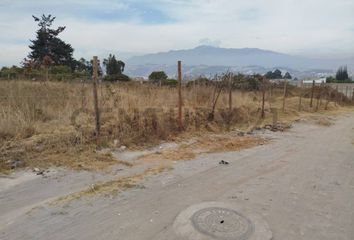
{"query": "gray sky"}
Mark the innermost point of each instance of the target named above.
(314, 28)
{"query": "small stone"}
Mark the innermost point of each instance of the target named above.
(16, 164)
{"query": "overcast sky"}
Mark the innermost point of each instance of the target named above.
(315, 28)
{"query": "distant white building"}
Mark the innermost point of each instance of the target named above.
(317, 81)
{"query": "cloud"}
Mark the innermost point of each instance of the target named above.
(99, 27)
(209, 42)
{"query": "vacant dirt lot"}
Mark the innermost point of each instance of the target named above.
(301, 184)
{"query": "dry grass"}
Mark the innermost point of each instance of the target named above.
(206, 144)
(111, 187)
(324, 122)
(52, 123)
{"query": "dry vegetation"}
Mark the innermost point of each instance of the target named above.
(111, 187)
(206, 144)
(52, 123)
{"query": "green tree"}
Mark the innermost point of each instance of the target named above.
(48, 45)
(330, 79)
(113, 66)
(82, 66)
(277, 74)
(158, 77)
(269, 75)
(11, 73)
(342, 74)
(287, 76)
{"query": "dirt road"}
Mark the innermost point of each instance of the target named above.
(302, 185)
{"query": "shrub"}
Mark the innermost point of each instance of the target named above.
(170, 82)
(158, 76)
(116, 78)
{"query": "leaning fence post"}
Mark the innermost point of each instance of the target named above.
(95, 97)
(312, 92)
(180, 123)
(301, 92)
(284, 96)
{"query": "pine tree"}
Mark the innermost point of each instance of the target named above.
(277, 74)
(287, 76)
(113, 66)
(342, 74)
(47, 45)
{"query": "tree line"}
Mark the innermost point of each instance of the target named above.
(51, 56)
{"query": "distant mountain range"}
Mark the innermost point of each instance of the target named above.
(204, 60)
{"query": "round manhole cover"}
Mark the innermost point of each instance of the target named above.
(222, 223)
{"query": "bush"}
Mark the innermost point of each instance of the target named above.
(116, 78)
(60, 70)
(331, 79)
(200, 81)
(170, 82)
(158, 76)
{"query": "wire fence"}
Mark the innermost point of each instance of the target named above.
(196, 102)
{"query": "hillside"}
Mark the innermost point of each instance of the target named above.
(209, 60)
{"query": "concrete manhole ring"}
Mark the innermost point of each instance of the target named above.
(222, 221)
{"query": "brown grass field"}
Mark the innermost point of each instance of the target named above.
(52, 123)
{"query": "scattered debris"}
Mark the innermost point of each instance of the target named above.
(16, 164)
(41, 172)
(278, 127)
(122, 148)
(223, 162)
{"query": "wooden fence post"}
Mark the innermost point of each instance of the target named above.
(230, 91)
(312, 92)
(284, 96)
(336, 98)
(195, 93)
(301, 92)
(263, 97)
(95, 98)
(180, 123)
(319, 95)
